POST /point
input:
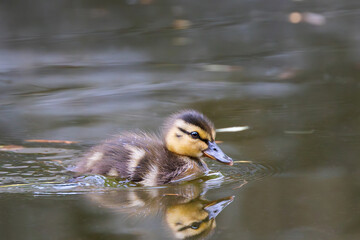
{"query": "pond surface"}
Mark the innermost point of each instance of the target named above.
(82, 71)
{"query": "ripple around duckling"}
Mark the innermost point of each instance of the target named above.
(246, 170)
(66, 185)
(42, 174)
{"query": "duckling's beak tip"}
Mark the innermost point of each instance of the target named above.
(215, 153)
(229, 163)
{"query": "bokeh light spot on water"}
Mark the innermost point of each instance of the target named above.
(295, 17)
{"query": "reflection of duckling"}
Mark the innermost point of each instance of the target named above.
(186, 212)
(195, 218)
(143, 158)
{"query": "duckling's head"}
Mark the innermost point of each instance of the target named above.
(190, 133)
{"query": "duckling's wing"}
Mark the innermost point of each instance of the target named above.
(121, 156)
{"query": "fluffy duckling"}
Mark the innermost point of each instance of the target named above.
(146, 159)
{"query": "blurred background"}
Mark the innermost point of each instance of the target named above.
(84, 70)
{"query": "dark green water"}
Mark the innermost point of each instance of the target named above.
(85, 70)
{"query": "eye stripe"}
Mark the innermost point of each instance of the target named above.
(199, 223)
(184, 131)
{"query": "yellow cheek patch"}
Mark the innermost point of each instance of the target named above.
(203, 146)
(183, 146)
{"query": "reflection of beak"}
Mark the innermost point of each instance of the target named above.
(215, 207)
(214, 152)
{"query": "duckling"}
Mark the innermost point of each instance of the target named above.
(149, 160)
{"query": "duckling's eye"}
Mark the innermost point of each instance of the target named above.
(195, 135)
(195, 225)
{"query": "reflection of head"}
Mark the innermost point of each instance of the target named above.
(195, 218)
(187, 220)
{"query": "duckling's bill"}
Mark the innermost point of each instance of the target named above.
(215, 207)
(214, 152)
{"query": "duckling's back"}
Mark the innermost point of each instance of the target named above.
(140, 158)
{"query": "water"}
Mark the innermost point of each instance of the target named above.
(83, 71)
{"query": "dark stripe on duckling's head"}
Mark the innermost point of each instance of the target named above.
(197, 119)
(195, 225)
(189, 133)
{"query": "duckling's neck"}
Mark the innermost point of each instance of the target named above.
(201, 164)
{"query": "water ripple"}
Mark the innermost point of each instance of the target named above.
(45, 172)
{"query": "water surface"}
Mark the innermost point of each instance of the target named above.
(83, 71)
